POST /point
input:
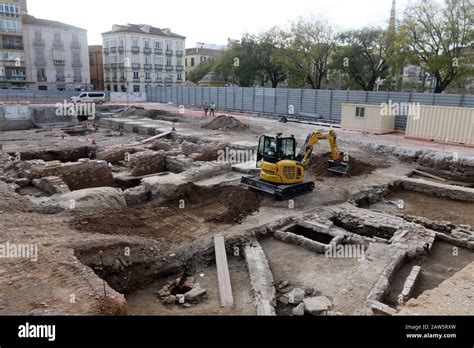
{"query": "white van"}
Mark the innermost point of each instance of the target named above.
(90, 97)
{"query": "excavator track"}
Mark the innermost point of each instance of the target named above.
(280, 192)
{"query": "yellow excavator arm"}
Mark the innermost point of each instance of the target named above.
(307, 149)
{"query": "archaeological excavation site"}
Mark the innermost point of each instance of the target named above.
(159, 210)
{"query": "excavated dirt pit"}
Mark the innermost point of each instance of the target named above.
(146, 301)
(310, 234)
(441, 264)
(204, 207)
(432, 208)
(142, 275)
(64, 156)
(384, 232)
(318, 166)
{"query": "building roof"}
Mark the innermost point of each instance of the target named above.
(203, 51)
(95, 48)
(143, 29)
(30, 20)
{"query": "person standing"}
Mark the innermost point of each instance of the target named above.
(206, 108)
(213, 109)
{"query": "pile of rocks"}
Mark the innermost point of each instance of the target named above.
(182, 293)
(303, 301)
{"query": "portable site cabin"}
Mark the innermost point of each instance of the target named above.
(442, 124)
(375, 119)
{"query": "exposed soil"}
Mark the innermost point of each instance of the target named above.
(441, 264)
(318, 165)
(228, 123)
(151, 114)
(145, 301)
(171, 222)
(433, 208)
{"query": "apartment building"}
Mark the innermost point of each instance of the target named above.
(137, 56)
(96, 63)
(196, 56)
(12, 50)
(57, 55)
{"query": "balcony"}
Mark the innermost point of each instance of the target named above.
(76, 45)
(114, 65)
(16, 78)
(148, 66)
(115, 79)
(77, 64)
(40, 62)
(148, 79)
(58, 44)
(147, 50)
(159, 80)
(179, 68)
(169, 68)
(136, 80)
(159, 51)
(179, 81)
(59, 61)
(106, 50)
(169, 53)
(179, 53)
(41, 79)
(106, 66)
(12, 46)
(107, 79)
(121, 48)
(123, 79)
(60, 79)
(158, 66)
(136, 49)
(113, 49)
(136, 65)
(121, 65)
(38, 42)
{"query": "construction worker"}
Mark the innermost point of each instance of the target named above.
(213, 109)
(206, 108)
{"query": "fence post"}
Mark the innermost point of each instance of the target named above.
(253, 99)
(301, 100)
(330, 105)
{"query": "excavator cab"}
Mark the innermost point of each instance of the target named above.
(273, 149)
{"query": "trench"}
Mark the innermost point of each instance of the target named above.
(441, 264)
(429, 207)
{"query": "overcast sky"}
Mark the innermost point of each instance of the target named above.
(209, 21)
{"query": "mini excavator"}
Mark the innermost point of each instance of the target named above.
(282, 171)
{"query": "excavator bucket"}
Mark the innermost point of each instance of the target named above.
(338, 167)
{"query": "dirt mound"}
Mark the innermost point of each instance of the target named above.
(318, 165)
(227, 123)
(240, 204)
(168, 222)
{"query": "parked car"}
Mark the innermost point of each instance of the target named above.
(90, 97)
